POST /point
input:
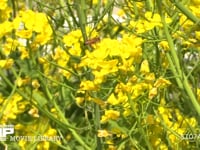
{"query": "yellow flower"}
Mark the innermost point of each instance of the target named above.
(103, 133)
(3, 4)
(144, 68)
(44, 36)
(197, 35)
(195, 10)
(153, 20)
(138, 26)
(110, 114)
(24, 52)
(161, 83)
(112, 100)
(198, 94)
(22, 144)
(100, 53)
(139, 89)
(130, 47)
(126, 65)
(87, 85)
(73, 37)
(152, 17)
(5, 28)
(26, 34)
(152, 93)
(35, 84)
(163, 147)
(192, 121)
(34, 112)
(5, 13)
(41, 60)
(161, 110)
(44, 145)
(185, 23)
(6, 63)
(15, 107)
(35, 22)
(10, 46)
(95, 2)
(195, 2)
(164, 45)
(41, 23)
(60, 54)
(150, 77)
(75, 50)
(126, 112)
(79, 100)
(22, 81)
(16, 23)
(107, 67)
(19, 126)
(19, 81)
(99, 77)
(51, 132)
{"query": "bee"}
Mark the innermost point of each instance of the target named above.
(92, 41)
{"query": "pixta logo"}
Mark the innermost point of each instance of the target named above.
(6, 130)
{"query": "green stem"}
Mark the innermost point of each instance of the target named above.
(68, 12)
(9, 98)
(97, 11)
(186, 12)
(149, 5)
(81, 12)
(173, 52)
(14, 8)
(140, 128)
(64, 125)
(136, 12)
(97, 125)
(57, 82)
(64, 68)
(106, 9)
(175, 64)
(173, 69)
(74, 133)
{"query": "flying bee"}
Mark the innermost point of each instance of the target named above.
(92, 41)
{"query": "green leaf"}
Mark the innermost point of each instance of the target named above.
(115, 125)
(41, 101)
